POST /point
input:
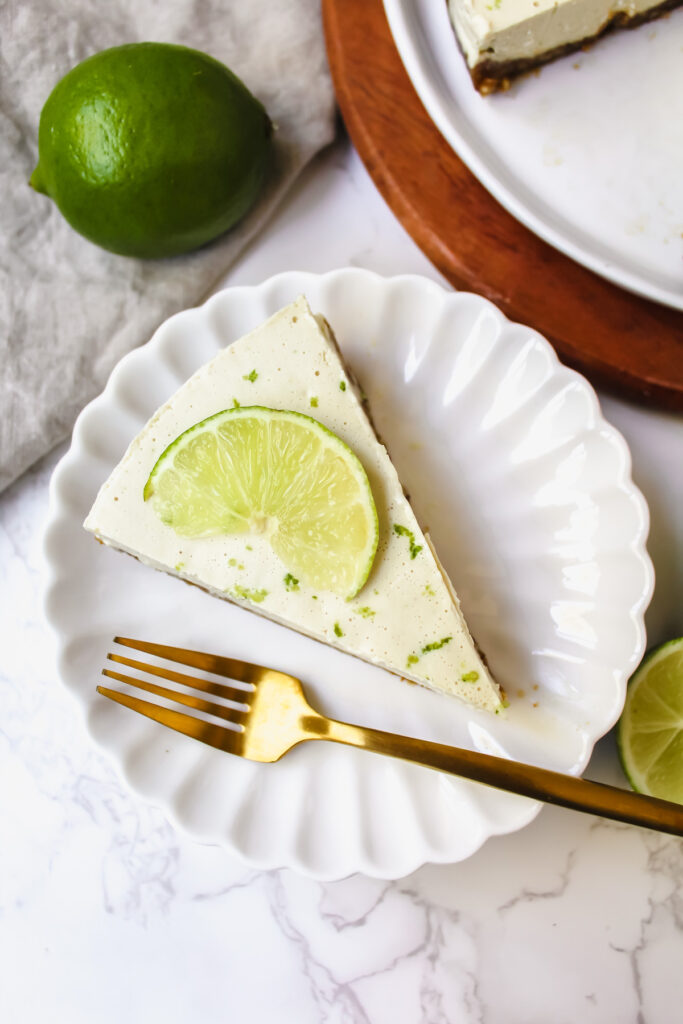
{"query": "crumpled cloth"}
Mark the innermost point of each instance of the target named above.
(69, 310)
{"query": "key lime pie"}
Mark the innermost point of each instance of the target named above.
(505, 38)
(262, 480)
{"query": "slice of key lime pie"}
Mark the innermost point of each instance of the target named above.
(262, 480)
(502, 39)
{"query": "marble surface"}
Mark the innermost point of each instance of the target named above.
(107, 914)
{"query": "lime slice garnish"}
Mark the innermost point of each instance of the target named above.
(257, 470)
(650, 732)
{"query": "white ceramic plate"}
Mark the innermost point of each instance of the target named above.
(587, 154)
(528, 496)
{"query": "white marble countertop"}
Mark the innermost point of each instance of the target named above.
(108, 915)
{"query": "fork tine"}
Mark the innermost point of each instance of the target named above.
(229, 740)
(207, 685)
(229, 714)
(242, 671)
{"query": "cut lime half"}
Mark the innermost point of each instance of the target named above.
(258, 470)
(650, 731)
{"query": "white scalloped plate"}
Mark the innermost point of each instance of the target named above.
(528, 496)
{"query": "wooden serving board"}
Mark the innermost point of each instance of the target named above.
(620, 341)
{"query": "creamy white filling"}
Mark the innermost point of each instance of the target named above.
(402, 615)
(503, 30)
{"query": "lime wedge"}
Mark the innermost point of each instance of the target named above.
(650, 731)
(257, 470)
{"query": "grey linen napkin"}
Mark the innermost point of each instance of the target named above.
(68, 310)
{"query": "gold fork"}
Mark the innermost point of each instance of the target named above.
(270, 715)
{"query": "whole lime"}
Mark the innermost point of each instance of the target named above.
(152, 149)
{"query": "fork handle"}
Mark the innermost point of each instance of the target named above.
(514, 777)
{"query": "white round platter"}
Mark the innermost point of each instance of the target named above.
(587, 153)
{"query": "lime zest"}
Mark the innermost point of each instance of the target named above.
(436, 645)
(403, 531)
(252, 376)
(291, 582)
(256, 596)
